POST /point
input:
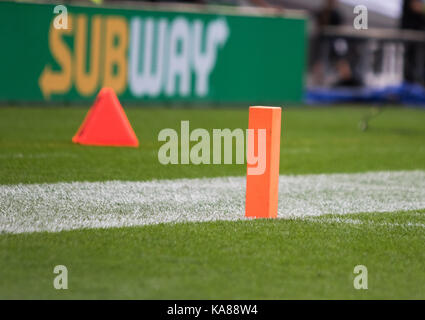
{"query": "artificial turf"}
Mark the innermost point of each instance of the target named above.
(263, 259)
(36, 147)
(245, 259)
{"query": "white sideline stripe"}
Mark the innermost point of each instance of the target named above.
(76, 205)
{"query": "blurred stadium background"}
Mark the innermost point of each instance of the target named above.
(309, 52)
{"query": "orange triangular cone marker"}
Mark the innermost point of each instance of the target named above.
(106, 123)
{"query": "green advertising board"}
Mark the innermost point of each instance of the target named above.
(149, 55)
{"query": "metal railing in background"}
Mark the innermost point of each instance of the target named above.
(371, 57)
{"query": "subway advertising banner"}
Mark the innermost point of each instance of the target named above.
(148, 55)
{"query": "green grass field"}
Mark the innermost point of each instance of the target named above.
(274, 259)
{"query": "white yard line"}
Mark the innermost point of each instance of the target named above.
(63, 206)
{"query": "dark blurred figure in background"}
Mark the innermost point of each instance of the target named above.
(413, 18)
(345, 75)
(328, 15)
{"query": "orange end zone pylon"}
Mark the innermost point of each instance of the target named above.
(262, 189)
(106, 124)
